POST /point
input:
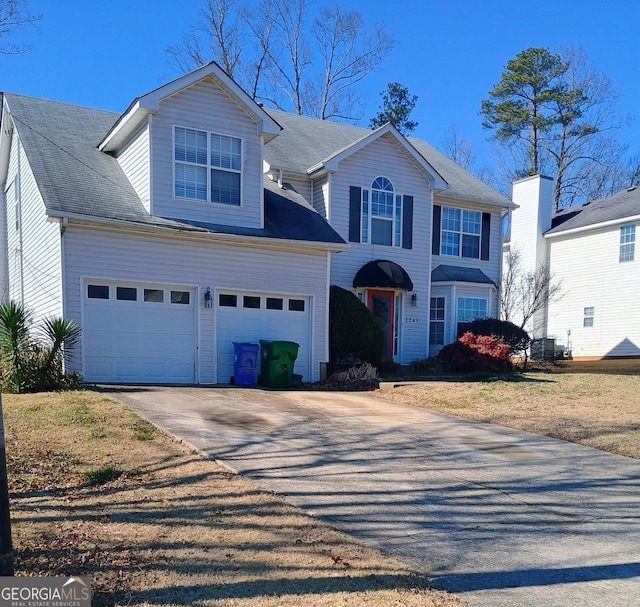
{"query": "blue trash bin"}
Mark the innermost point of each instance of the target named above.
(245, 358)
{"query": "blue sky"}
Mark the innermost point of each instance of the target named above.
(449, 53)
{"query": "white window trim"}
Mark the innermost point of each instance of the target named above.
(443, 321)
(396, 219)
(591, 316)
(628, 245)
(460, 233)
(209, 166)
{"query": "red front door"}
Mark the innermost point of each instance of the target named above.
(381, 304)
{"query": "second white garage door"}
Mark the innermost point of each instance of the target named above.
(250, 317)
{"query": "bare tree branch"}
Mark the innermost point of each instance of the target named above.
(14, 16)
(525, 293)
(459, 148)
(281, 55)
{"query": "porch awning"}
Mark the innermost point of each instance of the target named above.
(383, 274)
(444, 273)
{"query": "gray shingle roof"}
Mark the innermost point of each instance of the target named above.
(625, 203)
(304, 142)
(74, 177)
(444, 273)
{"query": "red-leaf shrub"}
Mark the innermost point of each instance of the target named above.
(476, 353)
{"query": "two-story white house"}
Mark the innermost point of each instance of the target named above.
(198, 218)
(590, 251)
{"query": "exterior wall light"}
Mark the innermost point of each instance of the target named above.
(414, 299)
(208, 299)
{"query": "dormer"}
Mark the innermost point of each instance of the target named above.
(193, 150)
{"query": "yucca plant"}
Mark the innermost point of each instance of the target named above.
(60, 333)
(34, 364)
(14, 340)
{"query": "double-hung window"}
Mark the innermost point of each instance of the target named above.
(460, 232)
(436, 321)
(627, 243)
(589, 313)
(381, 221)
(207, 166)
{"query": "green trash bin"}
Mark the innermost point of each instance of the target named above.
(276, 363)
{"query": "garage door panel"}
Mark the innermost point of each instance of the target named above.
(98, 317)
(138, 341)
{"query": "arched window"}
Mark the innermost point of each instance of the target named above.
(381, 214)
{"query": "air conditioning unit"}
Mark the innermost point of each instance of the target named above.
(543, 348)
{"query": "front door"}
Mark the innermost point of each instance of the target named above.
(381, 304)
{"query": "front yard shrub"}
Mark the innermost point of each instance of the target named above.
(476, 354)
(355, 335)
(425, 366)
(503, 331)
(32, 364)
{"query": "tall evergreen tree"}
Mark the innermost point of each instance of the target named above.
(396, 108)
(555, 114)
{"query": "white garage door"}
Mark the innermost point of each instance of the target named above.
(138, 333)
(250, 317)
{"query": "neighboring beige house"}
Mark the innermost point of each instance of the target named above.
(198, 218)
(591, 250)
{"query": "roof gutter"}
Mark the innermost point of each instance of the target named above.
(122, 129)
(200, 233)
(595, 226)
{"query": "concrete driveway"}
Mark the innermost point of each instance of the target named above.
(501, 517)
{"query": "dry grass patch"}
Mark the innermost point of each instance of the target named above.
(597, 410)
(97, 491)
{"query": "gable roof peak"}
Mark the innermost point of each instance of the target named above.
(148, 104)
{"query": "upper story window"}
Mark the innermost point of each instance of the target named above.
(461, 232)
(627, 243)
(381, 214)
(208, 166)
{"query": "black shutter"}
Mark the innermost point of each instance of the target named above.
(486, 236)
(407, 222)
(355, 206)
(435, 231)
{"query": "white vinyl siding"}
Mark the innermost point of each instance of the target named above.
(607, 286)
(34, 248)
(204, 107)
(135, 161)
(321, 196)
(4, 266)
(382, 157)
(198, 264)
(301, 185)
